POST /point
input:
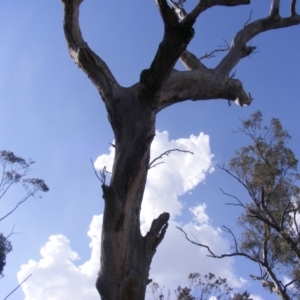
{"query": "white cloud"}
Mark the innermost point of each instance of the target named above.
(199, 213)
(180, 173)
(56, 276)
(256, 297)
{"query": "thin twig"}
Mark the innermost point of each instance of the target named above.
(12, 232)
(211, 54)
(196, 243)
(226, 229)
(103, 172)
(249, 19)
(17, 287)
(212, 254)
(18, 204)
(167, 154)
(96, 171)
(234, 197)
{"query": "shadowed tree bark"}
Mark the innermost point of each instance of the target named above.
(126, 255)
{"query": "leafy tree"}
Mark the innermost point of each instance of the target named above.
(204, 287)
(126, 255)
(14, 171)
(243, 296)
(201, 288)
(5, 248)
(269, 225)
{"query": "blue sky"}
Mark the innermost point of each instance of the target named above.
(52, 113)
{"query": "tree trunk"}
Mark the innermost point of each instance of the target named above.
(125, 254)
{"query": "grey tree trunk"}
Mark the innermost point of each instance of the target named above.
(126, 255)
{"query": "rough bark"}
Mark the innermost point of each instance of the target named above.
(126, 255)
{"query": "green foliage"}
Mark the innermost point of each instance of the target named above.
(199, 288)
(243, 296)
(5, 248)
(14, 171)
(269, 225)
(204, 287)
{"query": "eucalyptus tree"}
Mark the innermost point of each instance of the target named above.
(126, 255)
(14, 171)
(269, 224)
(200, 287)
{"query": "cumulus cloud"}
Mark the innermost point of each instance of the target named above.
(179, 173)
(56, 275)
(176, 258)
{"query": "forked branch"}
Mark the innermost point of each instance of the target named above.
(102, 174)
(176, 38)
(211, 253)
(212, 53)
(83, 56)
(204, 5)
(166, 153)
(239, 202)
(239, 47)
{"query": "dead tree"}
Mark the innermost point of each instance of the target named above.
(126, 255)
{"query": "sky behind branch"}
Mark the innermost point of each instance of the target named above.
(52, 113)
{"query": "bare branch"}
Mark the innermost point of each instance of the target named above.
(239, 180)
(226, 229)
(18, 204)
(190, 61)
(167, 154)
(176, 38)
(211, 54)
(84, 57)
(284, 214)
(239, 48)
(157, 231)
(234, 197)
(17, 287)
(212, 254)
(103, 172)
(272, 222)
(293, 7)
(204, 5)
(6, 187)
(295, 222)
(196, 243)
(11, 233)
(274, 11)
(275, 285)
(249, 19)
(288, 284)
(203, 84)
